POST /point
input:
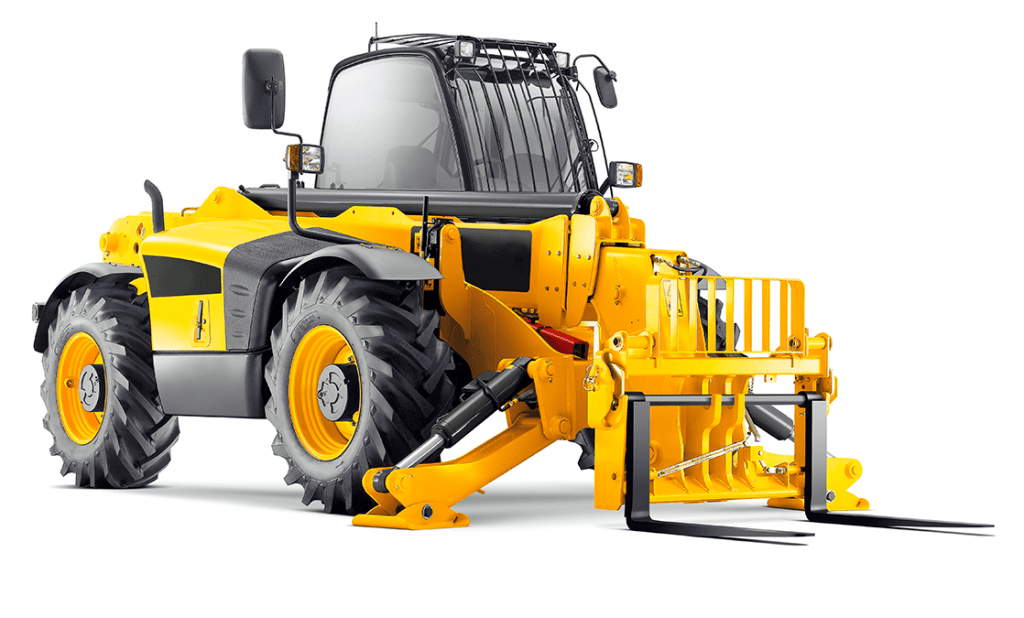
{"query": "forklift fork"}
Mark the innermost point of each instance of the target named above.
(815, 410)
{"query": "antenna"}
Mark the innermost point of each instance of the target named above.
(375, 35)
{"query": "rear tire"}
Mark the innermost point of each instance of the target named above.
(127, 442)
(340, 317)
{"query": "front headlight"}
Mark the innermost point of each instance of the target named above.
(305, 158)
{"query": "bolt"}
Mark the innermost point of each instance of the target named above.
(427, 512)
(546, 288)
(830, 496)
(69, 383)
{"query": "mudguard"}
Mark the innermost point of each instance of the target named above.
(374, 261)
(83, 275)
(259, 273)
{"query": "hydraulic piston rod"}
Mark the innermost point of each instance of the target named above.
(467, 416)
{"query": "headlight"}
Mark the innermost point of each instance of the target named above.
(623, 175)
(305, 159)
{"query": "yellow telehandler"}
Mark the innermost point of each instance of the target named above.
(459, 254)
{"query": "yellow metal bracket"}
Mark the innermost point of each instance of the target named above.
(427, 493)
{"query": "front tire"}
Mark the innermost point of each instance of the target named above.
(100, 392)
(376, 333)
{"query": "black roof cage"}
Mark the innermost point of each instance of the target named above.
(444, 40)
(523, 128)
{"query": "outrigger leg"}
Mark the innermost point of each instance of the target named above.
(413, 495)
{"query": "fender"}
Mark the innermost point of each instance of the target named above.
(374, 261)
(259, 274)
(81, 276)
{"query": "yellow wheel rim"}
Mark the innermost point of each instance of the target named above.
(80, 424)
(320, 347)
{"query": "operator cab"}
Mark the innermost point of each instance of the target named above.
(419, 116)
(486, 128)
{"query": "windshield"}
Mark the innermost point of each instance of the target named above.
(522, 127)
(387, 128)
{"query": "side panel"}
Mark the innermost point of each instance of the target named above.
(497, 260)
(184, 267)
(210, 384)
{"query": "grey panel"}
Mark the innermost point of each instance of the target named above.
(210, 384)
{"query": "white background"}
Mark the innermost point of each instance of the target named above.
(873, 149)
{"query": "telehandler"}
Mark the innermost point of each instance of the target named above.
(460, 254)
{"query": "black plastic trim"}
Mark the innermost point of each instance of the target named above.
(497, 260)
(171, 276)
(219, 384)
(81, 276)
(374, 262)
(466, 205)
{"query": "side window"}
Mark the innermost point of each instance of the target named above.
(387, 127)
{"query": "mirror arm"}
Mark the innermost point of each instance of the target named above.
(611, 74)
(272, 89)
(293, 222)
(606, 185)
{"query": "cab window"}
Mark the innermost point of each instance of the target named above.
(387, 127)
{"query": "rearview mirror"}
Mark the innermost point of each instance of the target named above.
(604, 81)
(263, 88)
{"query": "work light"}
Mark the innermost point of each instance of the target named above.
(465, 50)
(623, 175)
(562, 60)
(305, 159)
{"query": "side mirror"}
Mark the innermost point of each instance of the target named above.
(604, 81)
(263, 88)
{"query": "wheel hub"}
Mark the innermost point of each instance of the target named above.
(81, 388)
(324, 392)
(337, 392)
(92, 388)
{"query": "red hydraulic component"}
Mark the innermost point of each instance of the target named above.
(561, 342)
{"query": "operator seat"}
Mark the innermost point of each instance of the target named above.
(536, 173)
(410, 167)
